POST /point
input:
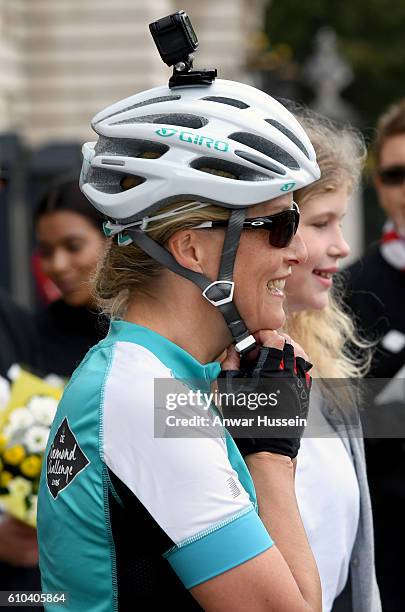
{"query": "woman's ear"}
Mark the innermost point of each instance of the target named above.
(197, 250)
(185, 247)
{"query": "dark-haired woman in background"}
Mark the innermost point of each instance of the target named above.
(70, 243)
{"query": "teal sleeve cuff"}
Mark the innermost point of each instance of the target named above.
(219, 550)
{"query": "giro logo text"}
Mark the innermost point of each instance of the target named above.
(197, 139)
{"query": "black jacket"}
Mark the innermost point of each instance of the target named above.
(65, 335)
(376, 295)
(18, 342)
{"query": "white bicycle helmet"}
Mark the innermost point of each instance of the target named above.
(169, 139)
(168, 144)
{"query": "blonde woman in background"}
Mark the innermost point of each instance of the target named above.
(331, 481)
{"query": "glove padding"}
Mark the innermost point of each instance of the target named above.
(280, 373)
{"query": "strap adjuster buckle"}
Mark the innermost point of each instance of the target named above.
(226, 289)
(245, 345)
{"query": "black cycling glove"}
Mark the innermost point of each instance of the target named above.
(275, 374)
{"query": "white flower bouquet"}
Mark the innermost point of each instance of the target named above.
(27, 409)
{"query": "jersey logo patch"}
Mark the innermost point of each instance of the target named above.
(65, 460)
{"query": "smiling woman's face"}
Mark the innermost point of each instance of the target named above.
(261, 270)
(69, 249)
(320, 227)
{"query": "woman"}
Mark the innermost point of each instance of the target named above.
(70, 243)
(126, 517)
(331, 482)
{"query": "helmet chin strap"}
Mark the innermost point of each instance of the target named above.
(218, 293)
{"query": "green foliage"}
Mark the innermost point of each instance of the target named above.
(370, 37)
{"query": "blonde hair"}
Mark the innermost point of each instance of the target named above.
(126, 271)
(329, 336)
(340, 153)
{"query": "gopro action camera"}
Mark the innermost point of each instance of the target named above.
(176, 42)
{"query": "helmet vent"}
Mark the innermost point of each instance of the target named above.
(228, 101)
(226, 169)
(113, 182)
(130, 148)
(266, 147)
(130, 181)
(140, 104)
(179, 120)
(254, 159)
(281, 128)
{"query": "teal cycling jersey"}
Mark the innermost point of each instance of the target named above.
(125, 517)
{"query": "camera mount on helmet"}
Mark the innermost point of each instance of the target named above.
(176, 42)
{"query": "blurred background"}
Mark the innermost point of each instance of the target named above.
(61, 62)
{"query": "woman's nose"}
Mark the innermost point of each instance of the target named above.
(59, 262)
(340, 248)
(297, 251)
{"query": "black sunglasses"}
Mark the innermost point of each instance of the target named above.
(393, 175)
(281, 226)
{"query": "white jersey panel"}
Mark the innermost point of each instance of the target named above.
(187, 484)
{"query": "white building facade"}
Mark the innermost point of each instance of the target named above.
(61, 61)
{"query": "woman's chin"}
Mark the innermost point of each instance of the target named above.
(316, 302)
(275, 321)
